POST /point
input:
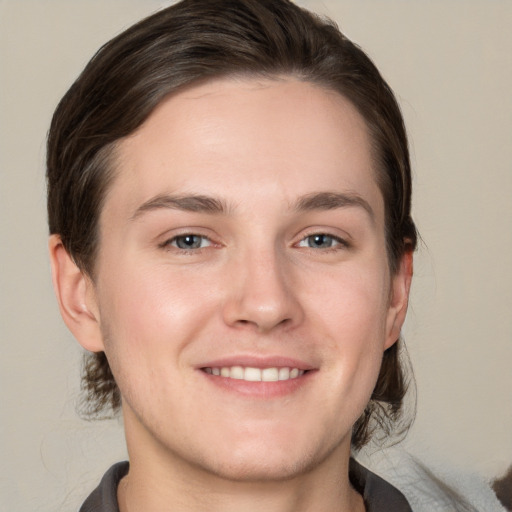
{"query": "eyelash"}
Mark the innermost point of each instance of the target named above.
(339, 243)
(173, 242)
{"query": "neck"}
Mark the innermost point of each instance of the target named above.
(178, 488)
(161, 481)
(177, 495)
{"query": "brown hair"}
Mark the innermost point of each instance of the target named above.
(200, 40)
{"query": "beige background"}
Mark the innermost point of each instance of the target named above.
(451, 66)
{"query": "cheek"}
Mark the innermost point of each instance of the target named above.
(159, 299)
(150, 315)
(350, 310)
(352, 299)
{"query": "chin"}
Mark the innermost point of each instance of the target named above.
(266, 461)
(258, 470)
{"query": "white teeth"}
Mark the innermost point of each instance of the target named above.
(284, 373)
(252, 374)
(255, 374)
(270, 374)
(237, 372)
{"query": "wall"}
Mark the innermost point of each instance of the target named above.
(449, 63)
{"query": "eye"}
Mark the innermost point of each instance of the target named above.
(322, 241)
(188, 242)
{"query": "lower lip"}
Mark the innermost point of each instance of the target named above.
(259, 389)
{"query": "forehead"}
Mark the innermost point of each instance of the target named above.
(244, 139)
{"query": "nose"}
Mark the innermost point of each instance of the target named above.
(262, 294)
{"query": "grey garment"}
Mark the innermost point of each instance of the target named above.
(379, 495)
(104, 497)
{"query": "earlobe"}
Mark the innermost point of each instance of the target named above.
(399, 299)
(75, 295)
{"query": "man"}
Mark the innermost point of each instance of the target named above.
(229, 203)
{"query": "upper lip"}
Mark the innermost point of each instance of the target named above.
(257, 362)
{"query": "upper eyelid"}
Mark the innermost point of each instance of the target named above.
(171, 234)
(336, 233)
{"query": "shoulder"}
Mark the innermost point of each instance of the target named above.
(434, 487)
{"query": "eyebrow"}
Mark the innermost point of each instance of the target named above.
(332, 201)
(191, 203)
(212, 205)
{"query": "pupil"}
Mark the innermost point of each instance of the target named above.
(189, 241)
(320, 240)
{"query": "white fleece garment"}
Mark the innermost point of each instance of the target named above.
(433, 488)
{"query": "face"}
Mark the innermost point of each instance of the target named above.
(242, 293)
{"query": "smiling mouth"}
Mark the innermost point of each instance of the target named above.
(251, 374)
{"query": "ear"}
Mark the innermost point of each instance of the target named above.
(76, 297)
(399, 299)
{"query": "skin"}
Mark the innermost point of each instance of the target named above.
(257, 288)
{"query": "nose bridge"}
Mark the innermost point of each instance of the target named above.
(262, 294)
